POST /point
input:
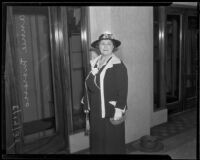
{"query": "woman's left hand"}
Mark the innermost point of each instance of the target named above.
(118, 114)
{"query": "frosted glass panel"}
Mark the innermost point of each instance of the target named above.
(34, 71)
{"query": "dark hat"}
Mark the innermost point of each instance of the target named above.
(106, 36)
(148, 144)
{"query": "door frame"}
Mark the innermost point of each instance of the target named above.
(183, 11)
(57, 61)
(177, 105)
(192, 100)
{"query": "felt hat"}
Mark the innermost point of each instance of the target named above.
(148, 144)
(106, 36)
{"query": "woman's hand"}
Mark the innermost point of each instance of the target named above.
(94, 71)
(118, 114)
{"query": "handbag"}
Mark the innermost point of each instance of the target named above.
(118, 122)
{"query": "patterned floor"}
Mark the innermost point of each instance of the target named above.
(176, 124)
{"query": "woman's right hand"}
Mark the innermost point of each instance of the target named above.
(94, 71)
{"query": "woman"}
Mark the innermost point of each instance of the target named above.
(106, 98)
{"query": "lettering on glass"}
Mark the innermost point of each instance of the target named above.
(24, 64)
(16, 126)
(23, 58)
(23, 33)
(16, 123)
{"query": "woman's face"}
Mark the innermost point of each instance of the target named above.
(106, 47)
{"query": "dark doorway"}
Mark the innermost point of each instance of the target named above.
(175, 58)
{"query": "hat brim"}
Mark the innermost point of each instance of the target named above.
(137, 146)
(116, 43)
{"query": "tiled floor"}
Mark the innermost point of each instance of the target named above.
(178, 136)
(175, 125)
(180, 146)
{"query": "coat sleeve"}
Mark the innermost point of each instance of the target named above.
(86, 98)
(122, 85)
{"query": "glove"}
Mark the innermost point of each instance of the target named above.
(94, 71)
(118, 114)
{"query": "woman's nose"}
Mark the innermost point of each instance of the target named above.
(106, 46)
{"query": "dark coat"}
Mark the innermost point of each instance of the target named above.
(115, 86)
(106, 90)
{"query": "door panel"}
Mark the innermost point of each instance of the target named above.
(173, 58)
(34, 73)
(191, 62)
(175, 73)
(35, 109)
(181, 59)
(191, 57)
(173, 63)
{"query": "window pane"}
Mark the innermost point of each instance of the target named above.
(191, 57)
(34, 68)
(172, 58)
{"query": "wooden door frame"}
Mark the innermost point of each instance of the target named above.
(58, 63)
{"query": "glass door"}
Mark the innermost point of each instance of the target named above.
(37, 119)
(173, 62)
(191, 59)
(181, 59)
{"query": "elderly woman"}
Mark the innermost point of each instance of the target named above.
(106, 98)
